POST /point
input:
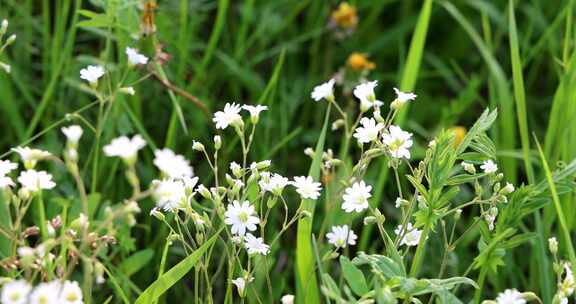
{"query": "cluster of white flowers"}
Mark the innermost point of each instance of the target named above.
(54, 292)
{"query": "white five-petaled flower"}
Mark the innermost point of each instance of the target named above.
(31, 156)
(274, 184)
(229, 116)
(35, 181)
(255, 245)
(341, 236)
(356, 197)
(241, 284)
(45, 293)
(398, 142)
(254, 111)
(170, 194)
(73, 133)
(489, 166)
(510, 296)
(134, 57)
(365, 93)
(369, 130)
(401, 98)
(15, 292)
(125, 148)
(6, 167)
(306, 187)
(70, 293)
(241, 217)
(324, 91)
(411, 235)
(171, 164)
(92, 73)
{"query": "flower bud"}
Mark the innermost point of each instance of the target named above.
(10, 40)
(5, 67)
(217, 142)
(263, 164)
(4, 27)
(127, 90)
(468, 167)
(553, 245)
(309, 152)
(368, 220)
(157, 214)
(198, 146)
(509, 188)
(338, 124)
(204, 192)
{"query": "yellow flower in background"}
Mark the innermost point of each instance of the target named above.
(360, 62)
(459, 133)
(345, 16)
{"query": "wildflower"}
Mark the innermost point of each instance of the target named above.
(365, 93)
(171, 164)
(553, 245)
(401, 99)
(567, 285)
(71, 293)
(15, 292)
(4, 27)
(400, 202)
(241, 284)
(459, 134)
(287, 299)
(5, 182)
(125, 148)
(468, 167)
(509, 188)
(31, 156)
(35, 181)
(255, 245)
(369, 130)
(275, 184)
(73, 133)
(254, 111)
(6, 167)
(236, 169)
(356, 197)
(127, 90)
(324, 91)
(198, 146)
(345, 16)
(306, 187)
(217, 142)
(510, 296)
(135, 58)
(229, 116)
(411, 236)
(241, 217)
(359, 62)
(45, 293)
(398, 142)
(341, 236)
(92, 73)
(170, 194)
(489, 166)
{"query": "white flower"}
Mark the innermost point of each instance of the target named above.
(229, 116)
(365, 93)
(73, 133)
(134, 57)
(306, 187)
(398, 202)
(411, 235)
(254, 111)
(198, 146)
(510, 296)
(31, 156)
(5, 182)
(171, 164)
(274, 184)
(553, 245)
(71, 293)
(241, 217)
(489, 166)
(356, 197)
(241, 284)
(6, 167)
(170, 194)
(401, 99)
(25, 252)
(92, 73)
(398, 142)
(15, 292)
(324, 91)
(255, 245)
(468, 167)
(125, 148)
(45, 293)
(35, 181)
(369, 130)
(236, 169)
(341, 236)
(509, 188)
(287, 299)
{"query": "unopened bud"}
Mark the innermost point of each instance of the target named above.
(217, 142)
(5, 67)
(309, 151)
(204, 192)
(4, 27)
(368, 220)
(198, 146)
(127, 90)
(10, 39)
(338, 124)
(157, 214)
(553, 245)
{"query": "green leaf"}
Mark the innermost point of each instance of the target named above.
(172, 276)
(384, 265)
(136, 262)
(354, 276)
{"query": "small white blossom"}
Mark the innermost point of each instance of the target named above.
(510, 296)
(356, 197)
(241, 284)
(468, 167)
(170, 194)
(287, 299)
(35, 181)
(92, 73)
(134, 57)
(229, 116)
(254, 111)
(509, 188)
(255, 245)
(127, 90)
(369, 130)
(198, 146)
(236, 169)
(365, 93)
(171, 164)
(241, 217)
(324, 91)
(5, 182)
(45, 293)
(401, 99)
(15, 292)
(553, 245)
(31, 156)
(73, 133)
(411, 235)
(489, 166)
(398, 142)
(274, 184)
(306, 187)
(6, 167)
(341, 236)
(70, 293)
(125, 148)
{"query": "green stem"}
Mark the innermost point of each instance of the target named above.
(481, 279)
(419, 255)
(42, 217)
